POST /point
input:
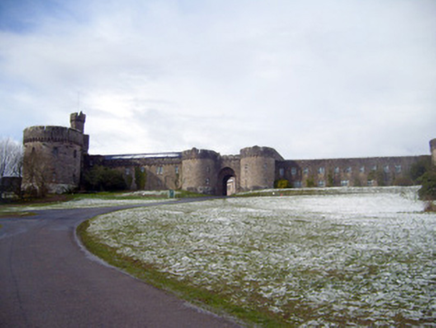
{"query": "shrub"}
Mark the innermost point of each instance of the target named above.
(282, 184)
(140, 178)
(418, 169)
(428, 186)
(310, 182)
(104, 179)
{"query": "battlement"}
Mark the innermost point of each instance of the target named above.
(257, 151)
(52, 134)
(195, 153)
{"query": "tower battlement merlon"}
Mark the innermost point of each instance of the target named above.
(77, 121)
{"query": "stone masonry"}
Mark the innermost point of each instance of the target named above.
(62, 153)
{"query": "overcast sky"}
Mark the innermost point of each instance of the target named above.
(310, 78)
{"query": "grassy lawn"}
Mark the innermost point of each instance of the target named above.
(328, 259)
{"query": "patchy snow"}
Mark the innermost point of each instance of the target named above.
(319, 260)
(86, 203)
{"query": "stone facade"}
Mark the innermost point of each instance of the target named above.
(64, 152)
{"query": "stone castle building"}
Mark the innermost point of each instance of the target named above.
(59, 156)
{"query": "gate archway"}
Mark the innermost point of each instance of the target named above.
(227, 182)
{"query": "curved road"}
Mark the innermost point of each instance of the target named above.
(48, 280)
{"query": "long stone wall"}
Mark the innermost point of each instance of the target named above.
(63, 151)
(346, 171)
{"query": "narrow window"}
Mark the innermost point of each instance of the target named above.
(294, 171)
(362, 169)
(282, 172)
(177, 169)
(386, 168)
(55, 151)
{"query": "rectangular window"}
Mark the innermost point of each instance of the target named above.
(321, 170)
(337, 169)
(386, 168)
(348, 169)
(282, 172)
(294, 171)
(159, 170)
(127, 171)
(370, 183)
(362, 169)
(177, 169)
(321, 183)
(374, 168)
(306, 171)
(397, 168)
(344, 183)
(297, 184)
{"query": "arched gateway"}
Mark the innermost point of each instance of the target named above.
(227, 182)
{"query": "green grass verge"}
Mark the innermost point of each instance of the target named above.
(203, 298)
(14, 214)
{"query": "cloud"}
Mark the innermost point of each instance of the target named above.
(309, 78)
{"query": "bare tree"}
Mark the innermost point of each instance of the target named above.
(11, 158)
(37, 174)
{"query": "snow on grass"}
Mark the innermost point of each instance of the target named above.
(85, 203)
(367, 259)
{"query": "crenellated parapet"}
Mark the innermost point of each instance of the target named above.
(195, 153)
(52, 134)
(257, 151)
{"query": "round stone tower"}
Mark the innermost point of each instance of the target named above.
(258, 165)
(433, 151)
(199, 171)
(53, 156)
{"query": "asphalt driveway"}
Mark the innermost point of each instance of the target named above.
(48, 280)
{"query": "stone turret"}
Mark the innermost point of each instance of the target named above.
(77, 121)
(199, 171)
(53, 155)
(258, 166)
(433, 151)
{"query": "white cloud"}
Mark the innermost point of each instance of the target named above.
(309, 78)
